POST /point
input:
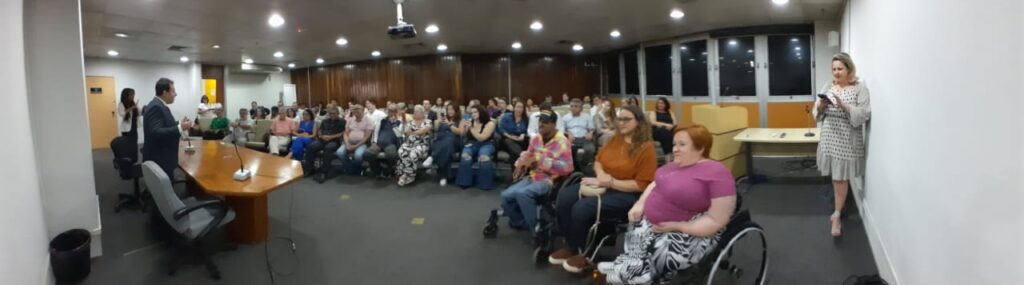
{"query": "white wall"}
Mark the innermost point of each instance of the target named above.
(823, 53)
(142, 76)
(59, 120)
(243, 88)
(943, 189)
(24, 239)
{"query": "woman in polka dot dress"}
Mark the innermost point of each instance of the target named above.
(842, 117)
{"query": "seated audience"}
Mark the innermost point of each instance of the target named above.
(604, 123)
(624, 168)
(415, 147)
(387, 138)
(492, 108)
(374, 114)
(253, 109)
(239, 128)
(281, 131)
(530, 107)
(291, 113)
(304, 135)
(681, 214)
(478, 148)
(633, 101)
(596, 106)
(579, 128)
(547, 158)
(328, 140)
(500, 110)
(357, 133)
(565, 99)
(218, 127)
(532, 127)
(450, 130)
(438, 106)
(663, 122)
(512, 129)
(431, 114)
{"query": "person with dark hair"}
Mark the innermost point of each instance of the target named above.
(624, 168)
(161, 132)
(304, 135)
(128, 115)
(480, 149)
(565, 99)
(206, 109)
(632, 101)
(532, 127)
(512, 130)
(680, 215)
(218, 127)
(274, 111)
(663, 122)
(450, 129)
(254, 110)
(328, 139)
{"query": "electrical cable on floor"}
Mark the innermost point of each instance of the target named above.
(266, 246)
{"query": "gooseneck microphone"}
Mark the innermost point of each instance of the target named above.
(242, 174)
(809, 133)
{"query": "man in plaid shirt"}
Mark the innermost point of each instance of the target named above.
(548, 157)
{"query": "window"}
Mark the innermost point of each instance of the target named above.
(693, 57)
(736, 66)
(789, 65)
(611, 68)
(632, 72)
(658, 64)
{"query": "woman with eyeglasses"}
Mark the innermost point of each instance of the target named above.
(480, 148)
(624, 168)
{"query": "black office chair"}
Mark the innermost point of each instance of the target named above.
(126, 158)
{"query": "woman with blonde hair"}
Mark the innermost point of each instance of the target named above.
(842, 110)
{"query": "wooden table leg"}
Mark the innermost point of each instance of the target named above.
(250, 225)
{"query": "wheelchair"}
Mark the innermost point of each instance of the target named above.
(546, 229)
(721, 259)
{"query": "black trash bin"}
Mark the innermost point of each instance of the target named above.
(69, 255)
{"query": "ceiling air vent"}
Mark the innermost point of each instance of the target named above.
(564, 42)
(414, 45)
(177, 48)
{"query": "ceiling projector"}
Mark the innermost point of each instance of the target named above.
(402, 31)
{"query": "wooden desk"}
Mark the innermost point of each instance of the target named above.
(768, 142)
(211, 168)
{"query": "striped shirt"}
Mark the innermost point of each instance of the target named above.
(554, 159)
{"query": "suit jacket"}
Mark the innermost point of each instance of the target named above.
(162, 136)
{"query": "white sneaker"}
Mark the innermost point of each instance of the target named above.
(606, 267)
(427, 163)
(444, 182)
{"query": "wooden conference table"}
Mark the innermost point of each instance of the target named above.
(211, 169)
(777, 142)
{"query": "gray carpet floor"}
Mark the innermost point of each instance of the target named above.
(355, 230)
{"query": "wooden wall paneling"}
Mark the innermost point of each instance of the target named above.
(318, 83)
(790, 115)
(485, 77)
(300, 78)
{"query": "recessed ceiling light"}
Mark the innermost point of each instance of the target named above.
(375, 53)
(112, 53)
(780, 2)
(275, 20)
(517, 45)
(291, 65)
(794, 40)
(183, 58)
(682, 47)
(750, 51)
(577, 47)
(248, 61)
(733, 42)
(432, 29)
(536, 26)
(216, 46)
(121, 35)
(676, 14)
(319, 60)
(341, 41)
(796, 48)
(278, 54)
(442, 47)
(615, 33)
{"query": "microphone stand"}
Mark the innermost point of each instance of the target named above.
(242, 174)
(809, 133)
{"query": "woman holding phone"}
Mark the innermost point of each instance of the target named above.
(842, 114)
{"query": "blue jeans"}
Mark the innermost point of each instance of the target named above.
(483, 153)
(357, 156)
(520, 202)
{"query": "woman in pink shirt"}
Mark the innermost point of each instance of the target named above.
(680, 215)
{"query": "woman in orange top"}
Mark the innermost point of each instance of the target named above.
(624, 166)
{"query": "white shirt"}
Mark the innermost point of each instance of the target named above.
(126, 126)
(533, 128)
(208, 110)
(239, 132)
(578, 126)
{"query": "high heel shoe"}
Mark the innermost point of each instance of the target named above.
(836, 231)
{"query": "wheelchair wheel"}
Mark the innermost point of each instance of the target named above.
(743, 259)
(540, 255)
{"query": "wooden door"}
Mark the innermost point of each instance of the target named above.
(102, 100)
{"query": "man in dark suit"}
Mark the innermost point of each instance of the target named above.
(162, 133)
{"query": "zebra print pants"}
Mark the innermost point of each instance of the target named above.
(650, 257)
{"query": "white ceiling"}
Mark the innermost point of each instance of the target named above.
(466, 26)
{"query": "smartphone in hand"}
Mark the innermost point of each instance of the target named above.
(826, 99)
